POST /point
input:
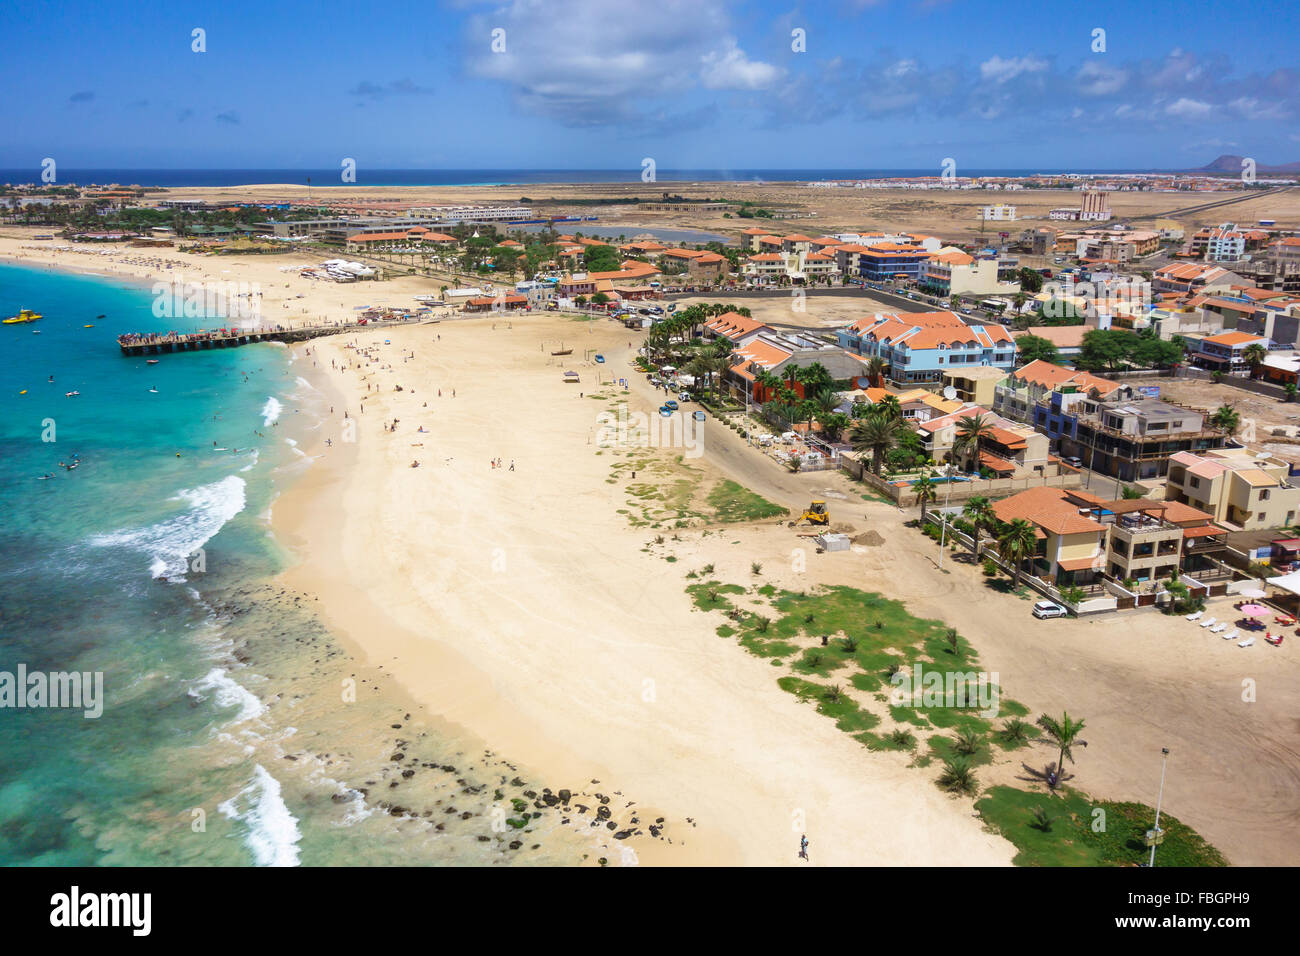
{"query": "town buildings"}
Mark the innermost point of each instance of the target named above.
(1236, 486)
(918, 347)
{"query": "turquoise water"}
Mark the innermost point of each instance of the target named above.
(224, 738)
(82, 554)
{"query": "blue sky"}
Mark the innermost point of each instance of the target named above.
(693, 83)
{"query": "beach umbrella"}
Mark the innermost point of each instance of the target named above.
(1252, 593)
(1254, 610)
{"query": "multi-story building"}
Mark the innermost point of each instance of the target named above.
(1130, 440)
(1237, 487)
(918, 347)
(1082, 539)
(1226, 352)
(1193, 277)
(1000, 212)
(1018, 395)
(975, 386)
(954, 272)
(1223, 243)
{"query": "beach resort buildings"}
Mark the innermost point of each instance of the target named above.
(919, 347)
(1131, 440)
(776, 352)
(1018, 395)
(1082, 539)
(1238, 487)
(953, 272)
(1226, 352)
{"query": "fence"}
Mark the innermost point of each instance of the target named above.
(904, 495)
(1085, 607)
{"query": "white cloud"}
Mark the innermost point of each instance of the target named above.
(1003, 71)
(1185, 108)
(730, 69)
(1099, 79)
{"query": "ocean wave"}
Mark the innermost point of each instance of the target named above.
(251, 464)
(271, 411)
(170, 543)
(273, 832)
(228, 692)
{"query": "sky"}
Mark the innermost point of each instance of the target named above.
(693, 84)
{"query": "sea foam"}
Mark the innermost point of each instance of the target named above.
(171, 542)
(271, 411)
(273, 832)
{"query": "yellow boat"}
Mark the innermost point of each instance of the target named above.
(24, 316)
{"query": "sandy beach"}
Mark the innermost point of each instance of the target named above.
(523, 607)
(519, 604)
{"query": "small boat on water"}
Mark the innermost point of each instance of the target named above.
(100, 316)
(23, 317)
(89, 325)
(151, 362)
(70, 394)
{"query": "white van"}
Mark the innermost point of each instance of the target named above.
(1046, 609)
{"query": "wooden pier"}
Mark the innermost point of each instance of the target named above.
(157, 343)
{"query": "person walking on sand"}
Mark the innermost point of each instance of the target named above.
(512, 464)
(803, 846)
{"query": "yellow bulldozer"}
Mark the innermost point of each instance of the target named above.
(816, 514)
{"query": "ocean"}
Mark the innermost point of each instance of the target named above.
(482, 177)
(223, 739)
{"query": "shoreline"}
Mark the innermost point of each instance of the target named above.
(554, 675)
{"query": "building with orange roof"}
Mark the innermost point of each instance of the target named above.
(919, 347)
(735, 328)
(1226, 352)
(1083, 539)
(1193, 277)
(776, 353)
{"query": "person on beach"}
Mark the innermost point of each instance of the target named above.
(512, 464)
(803, 846)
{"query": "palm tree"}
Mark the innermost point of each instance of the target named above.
(888, 407)
(925, 492)
(1226, 418)
(972, 430)
(1016, 544)
(876, 434)
(978, 510)
(876, 371)
(1065, 734)
(766, 380)
(1254, 354)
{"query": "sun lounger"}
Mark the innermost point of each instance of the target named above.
(1247, 642)
(1219, 628)
(1232, 635)
(1275, 640)
(1209, 622)
(1195, 615)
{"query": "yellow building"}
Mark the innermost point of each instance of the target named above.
(1236, 485)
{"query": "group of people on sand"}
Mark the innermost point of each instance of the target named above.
(496, 464)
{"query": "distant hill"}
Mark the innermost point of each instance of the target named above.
(1232, 164)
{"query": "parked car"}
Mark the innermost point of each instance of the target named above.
(670, 404)
(1046, 609)
(665, 411)
(1073, 462)
(698, 415)
(684, 397)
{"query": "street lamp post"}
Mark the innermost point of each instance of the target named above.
(1156, 836)
(943, 523)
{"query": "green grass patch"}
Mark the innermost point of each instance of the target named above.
(732, 502)
(1074, 834)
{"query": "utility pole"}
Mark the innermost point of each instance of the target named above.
(1156, 836)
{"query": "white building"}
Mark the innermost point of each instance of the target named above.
(1000, 212)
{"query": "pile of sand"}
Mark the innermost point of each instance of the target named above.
(872, 539)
